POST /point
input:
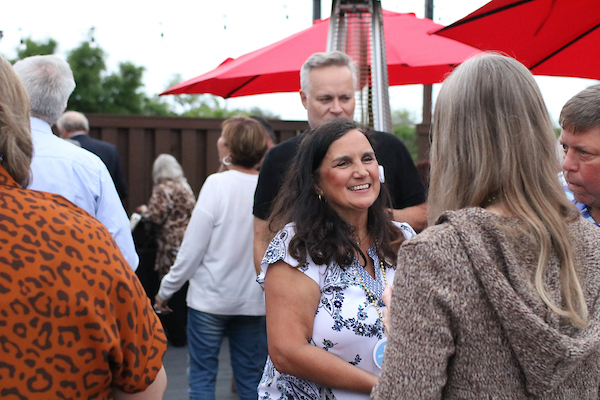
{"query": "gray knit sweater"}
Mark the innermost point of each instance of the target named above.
(467, 322)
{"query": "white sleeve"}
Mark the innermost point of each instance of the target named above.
(110, 211)
(278, 250)
(406, 229)
(195, 242)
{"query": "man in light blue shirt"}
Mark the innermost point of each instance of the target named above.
(61, 167)
(580, 140)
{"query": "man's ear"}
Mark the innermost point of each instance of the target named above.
(304, 99)
(61, 132)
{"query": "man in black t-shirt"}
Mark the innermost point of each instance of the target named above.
(328, 82)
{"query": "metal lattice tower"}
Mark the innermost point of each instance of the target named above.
(356, 28)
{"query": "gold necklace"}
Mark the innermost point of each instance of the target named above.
(359, 241)
(370, 295)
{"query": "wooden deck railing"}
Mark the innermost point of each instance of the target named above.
(193, 141)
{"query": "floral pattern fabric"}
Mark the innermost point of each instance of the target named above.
(346, 323)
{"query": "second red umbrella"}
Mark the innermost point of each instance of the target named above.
(413, 57)
(551, 37)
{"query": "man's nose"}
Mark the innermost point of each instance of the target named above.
(569, 161)
(336, 107)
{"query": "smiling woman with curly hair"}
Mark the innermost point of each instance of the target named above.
(326, 268)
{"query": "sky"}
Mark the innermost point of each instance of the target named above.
(192, 37)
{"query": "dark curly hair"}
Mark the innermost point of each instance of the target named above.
(320, 232)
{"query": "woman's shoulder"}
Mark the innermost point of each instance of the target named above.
(581, 227)
(278, 250)
(214, 182)
(278, 247)
(165, 188)
(161, 186)
(585, 237)
(440, 236)
(454, 239)
(168, 186)
(288, 231)
(215, 177)
(406, 229)
(226, 178)
(464, 222)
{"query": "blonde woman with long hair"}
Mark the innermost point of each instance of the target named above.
(499, 298)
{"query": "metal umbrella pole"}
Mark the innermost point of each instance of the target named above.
(425, 126)
(356, 28)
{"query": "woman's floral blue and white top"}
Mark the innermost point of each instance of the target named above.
(346, 323)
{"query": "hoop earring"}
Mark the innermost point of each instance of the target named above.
(321, 198)
(225, 161)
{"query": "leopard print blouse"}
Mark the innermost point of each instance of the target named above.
(74, 319)
(170, 207)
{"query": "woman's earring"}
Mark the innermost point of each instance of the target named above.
(319, 194)
(225, 160)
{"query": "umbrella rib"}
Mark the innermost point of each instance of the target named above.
(241, 86)
(564, 47)
(497, 10)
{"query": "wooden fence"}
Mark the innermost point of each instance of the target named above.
(193, 141)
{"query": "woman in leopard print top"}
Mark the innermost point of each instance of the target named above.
(170, 208)
(74, 320)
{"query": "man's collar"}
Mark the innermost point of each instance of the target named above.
(594, 214)
(40, 125)
(78, 133)
(585, 212)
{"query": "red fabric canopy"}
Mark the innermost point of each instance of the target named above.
(413, 57)
(551, 37)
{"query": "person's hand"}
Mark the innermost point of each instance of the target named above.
(160, 305)
(386, 297)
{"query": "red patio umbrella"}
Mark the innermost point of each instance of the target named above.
(413, 57)
(551, 37)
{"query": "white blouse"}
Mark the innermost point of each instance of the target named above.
(346, 323)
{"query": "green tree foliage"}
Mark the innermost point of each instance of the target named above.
(32, 48)
(208, 106)
(96, 90)
(405, 128)
(116, 93)
(88, 66)
(120, 92)
(122, 89)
